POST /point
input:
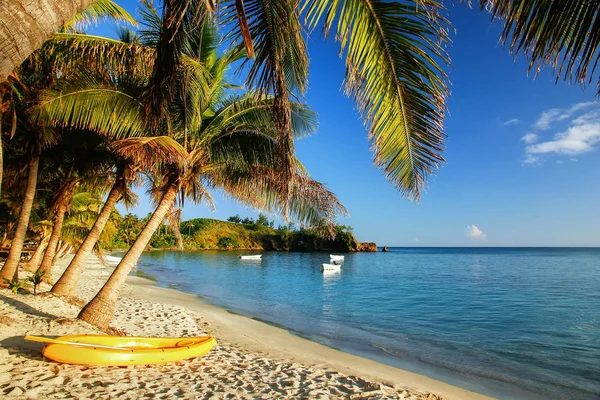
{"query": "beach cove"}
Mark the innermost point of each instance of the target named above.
(252, 359)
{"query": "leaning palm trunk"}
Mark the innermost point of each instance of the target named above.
(46, 265)
(100, 310)
(62, 250)
(36, 258)
(63, 202)
(68, 281)
(178, 238)
(10, 269)
(27, 24)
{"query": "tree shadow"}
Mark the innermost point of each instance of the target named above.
(25, 308)
(17, 345)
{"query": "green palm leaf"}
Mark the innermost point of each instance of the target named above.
(100, 9)
(393, 53)
(90, 102)
(564, 34)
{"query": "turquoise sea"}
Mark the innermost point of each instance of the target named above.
(515, 323)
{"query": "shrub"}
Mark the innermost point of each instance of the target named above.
(14, 285)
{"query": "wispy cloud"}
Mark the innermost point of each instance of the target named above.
(513, 121)
(548, 117)
(581, 135)
(529, 137)
(475, 233)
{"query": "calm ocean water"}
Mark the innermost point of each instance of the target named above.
(518, 323)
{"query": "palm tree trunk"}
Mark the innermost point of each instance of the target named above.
(100, 310)
(10, 269)
(27, 24)
(63, 203)
(178, 238)
(62, 248)
(36, 258)
(68, 281)
(57, 219)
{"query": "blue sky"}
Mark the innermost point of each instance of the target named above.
(522, 165)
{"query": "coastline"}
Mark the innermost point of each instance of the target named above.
(252, 358)
(277, 343)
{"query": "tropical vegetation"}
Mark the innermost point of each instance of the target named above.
(203, 137)
(83, 118)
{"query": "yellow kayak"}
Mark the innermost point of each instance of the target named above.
(122, 350)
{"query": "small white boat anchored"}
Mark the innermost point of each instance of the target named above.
(336, 259)
(330, 267)
(255, 257)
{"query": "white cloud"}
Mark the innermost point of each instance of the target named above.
(475, 233)
(529, 137)
(532, 160)
(548, 117)
(581, 136)
(577, 139)
(513, 121)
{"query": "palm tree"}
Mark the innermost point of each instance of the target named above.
(174, 220)
(563, 34)
(394, 56)
(68, 281)
(37, 21)
(234, 159)
(39, 72)
(80, 157)
(212, 140)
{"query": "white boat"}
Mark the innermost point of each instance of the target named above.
(334, 257)
(255, 257)
(330, 267)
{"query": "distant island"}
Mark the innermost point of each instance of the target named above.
(237, 234)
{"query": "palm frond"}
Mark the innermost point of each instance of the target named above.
(153, 152)
(563, 34)
(253, 113)
(393, 53)
(72, 50)
(180, 17)
(99, 10)
(280, 66)
(278, 43)
(89, 102)
(309, 202)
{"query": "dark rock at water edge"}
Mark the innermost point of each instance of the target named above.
(385, 250)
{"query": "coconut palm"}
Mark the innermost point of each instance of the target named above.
(120, 190)
(37, 73)
(562, 34)
(37, 21)
(80, 157)
(393, 54)
(206, 140)
(234, 155)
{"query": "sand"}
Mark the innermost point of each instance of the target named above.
(252, 360)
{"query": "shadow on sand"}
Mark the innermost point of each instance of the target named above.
(24, 308)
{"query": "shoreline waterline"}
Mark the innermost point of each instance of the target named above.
(251, 359)
(507, 323)
(278, 343)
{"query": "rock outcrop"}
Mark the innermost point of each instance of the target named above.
(367, 247)
(385, 249)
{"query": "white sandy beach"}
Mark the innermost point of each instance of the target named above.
(252, 360)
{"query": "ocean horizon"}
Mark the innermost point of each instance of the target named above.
(511, 322)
